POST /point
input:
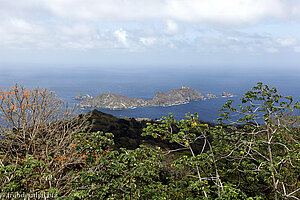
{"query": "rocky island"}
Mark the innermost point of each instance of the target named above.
(118, 102)
(227, 94)
(211, 96)
(79, 96)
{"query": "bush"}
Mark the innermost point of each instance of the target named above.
(37, 149)
(111, 174)
(264, 151)
(254, 154)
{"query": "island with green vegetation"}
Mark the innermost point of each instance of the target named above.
(250, 152)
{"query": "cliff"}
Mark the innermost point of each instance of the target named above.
(115, 101)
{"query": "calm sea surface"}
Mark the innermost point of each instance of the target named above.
(144, 83)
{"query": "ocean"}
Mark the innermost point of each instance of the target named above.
(141, 82)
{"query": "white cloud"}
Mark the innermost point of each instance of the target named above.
(21, 25)
(83, 24)
(229, 12)
(102, 10)
(121, 36)
(148, 41)
(171, 45)
(286, 42)
(233, 38)
(272, 50)
(77, 29)
(17, 33)
(172, 28)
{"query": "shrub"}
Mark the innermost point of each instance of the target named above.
(254, 154)
(264, 151)
(37, 149)
(111, 174)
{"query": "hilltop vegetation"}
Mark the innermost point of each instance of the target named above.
(251, 153)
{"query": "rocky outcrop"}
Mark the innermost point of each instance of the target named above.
(79, 96)
(227, 94)
(115, 101)
(176, 96)
(211, 96)
(144, 119)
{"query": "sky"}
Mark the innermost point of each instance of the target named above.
(150, 33)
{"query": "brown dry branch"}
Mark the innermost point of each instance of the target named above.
(37, 123)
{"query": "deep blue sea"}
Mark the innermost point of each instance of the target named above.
(145, 82)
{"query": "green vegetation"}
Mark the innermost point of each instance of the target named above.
(252, 153)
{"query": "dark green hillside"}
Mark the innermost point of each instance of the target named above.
(127, 132)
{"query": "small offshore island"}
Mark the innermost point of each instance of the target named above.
(118, 102)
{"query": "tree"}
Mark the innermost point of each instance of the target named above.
(193, 138)
(252, 153)
(38, 148)
(117, 174)
(263, 146)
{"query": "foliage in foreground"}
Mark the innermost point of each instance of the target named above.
(253, 153)
(38, 144)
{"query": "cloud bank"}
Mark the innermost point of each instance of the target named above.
(229, 12)
(137, 25)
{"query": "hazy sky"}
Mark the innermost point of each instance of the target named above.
(150, 32)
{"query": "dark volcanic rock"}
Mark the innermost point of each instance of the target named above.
(114, 101)
(127, 132)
